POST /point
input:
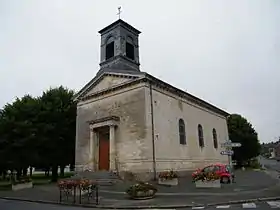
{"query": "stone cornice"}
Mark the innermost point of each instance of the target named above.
(116, 118)
(119, 57)
(163, 85)
(187, 96)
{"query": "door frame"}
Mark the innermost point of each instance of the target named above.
(111, 122)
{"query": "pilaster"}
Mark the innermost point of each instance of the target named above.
(93, 150)
(112, 148)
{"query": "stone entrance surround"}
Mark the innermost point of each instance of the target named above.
(112, 122)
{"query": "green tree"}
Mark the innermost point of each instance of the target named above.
(18, 134)
(38, 132)
(241, 131)
(3, 144)
(58, 115)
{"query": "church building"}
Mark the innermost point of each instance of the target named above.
(129, 120)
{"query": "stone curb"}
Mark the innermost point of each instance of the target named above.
(98, 206)
(143, 207)
(199, 193)
(244, 201)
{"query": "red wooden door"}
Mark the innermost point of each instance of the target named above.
(104, 147)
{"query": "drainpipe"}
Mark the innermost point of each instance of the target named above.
(153, 133)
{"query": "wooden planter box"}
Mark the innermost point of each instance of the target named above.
(22, 186)
(169, 182)
(143, 195)
(208, 184)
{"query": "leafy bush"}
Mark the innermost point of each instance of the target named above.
(140, 187)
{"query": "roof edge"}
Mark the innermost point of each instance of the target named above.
(98, 77)
(149, 78)
(196, 99)
(120, 22)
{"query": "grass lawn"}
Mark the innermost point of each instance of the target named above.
(38, 176)
(38, 179)
(5, 185)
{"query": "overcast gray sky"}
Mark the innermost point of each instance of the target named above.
(225, 52)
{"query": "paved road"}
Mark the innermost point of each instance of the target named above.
(15, 205)
(270, 163)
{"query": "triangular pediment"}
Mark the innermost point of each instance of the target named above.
(106, 82)
(103, 82)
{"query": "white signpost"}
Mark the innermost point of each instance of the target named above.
(229, 152)
(229, 144)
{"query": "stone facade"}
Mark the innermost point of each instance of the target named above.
(133, 135)
(128, 120)
(129, 105)
(168, 109)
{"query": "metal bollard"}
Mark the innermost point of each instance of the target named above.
(96, 195)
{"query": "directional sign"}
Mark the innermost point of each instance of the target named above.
(235, 145)
(230, 144)
(228, 152)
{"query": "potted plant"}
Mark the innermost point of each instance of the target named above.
(207, 180)
(22, 183)
(141, 191)
(168, 178)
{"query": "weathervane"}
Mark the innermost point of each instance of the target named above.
(119, 13)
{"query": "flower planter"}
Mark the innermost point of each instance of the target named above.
(169, 182)
(79, 192)
(21, 186)
(143, 195)
(208, 184)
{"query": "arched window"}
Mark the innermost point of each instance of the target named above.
(200, 136)
(182, 132)
(215, 140)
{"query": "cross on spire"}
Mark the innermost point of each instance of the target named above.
(119, 12)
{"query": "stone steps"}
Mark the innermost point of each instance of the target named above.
(104, 178)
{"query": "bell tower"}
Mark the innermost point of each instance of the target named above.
(119, 47)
